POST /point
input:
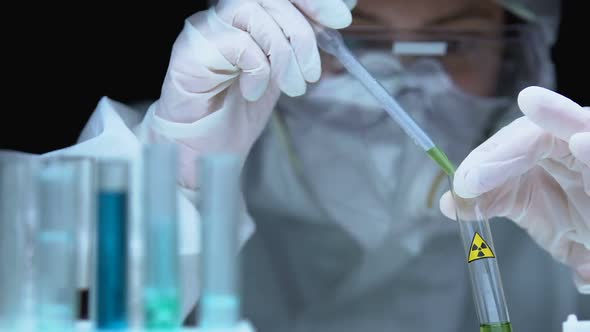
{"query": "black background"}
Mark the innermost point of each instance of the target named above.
(61, 60)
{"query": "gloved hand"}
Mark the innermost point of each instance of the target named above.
(228, 67)
(536, 171)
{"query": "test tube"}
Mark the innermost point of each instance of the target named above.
(219, 206)
(111, 256)
(17, 229)
(86, 214)
(55, 256)
(86, 237)
(161, 293)
(484, 274)
(85, 211)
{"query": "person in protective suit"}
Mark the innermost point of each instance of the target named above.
(341, 230)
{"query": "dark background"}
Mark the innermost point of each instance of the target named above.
(61, 60)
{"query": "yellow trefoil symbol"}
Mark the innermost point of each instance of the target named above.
(479, 249)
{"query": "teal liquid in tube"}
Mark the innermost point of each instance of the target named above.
(162, 308)
(111, 257)
(219, 207)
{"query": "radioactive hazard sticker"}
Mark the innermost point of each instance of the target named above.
(479, 249)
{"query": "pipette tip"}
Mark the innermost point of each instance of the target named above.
(442, 160)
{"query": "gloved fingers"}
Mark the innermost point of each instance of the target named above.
(330, 13)
(297, 30)
(269, 36)
(256, 70)
(504, 201)
(580, 147)
(553, 112)
(519, 147)
(240, 49)
(454, 207)
(449, 208)
(571, 174)
(511, 152)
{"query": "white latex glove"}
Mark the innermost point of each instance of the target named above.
(536, 171)
(228, 67)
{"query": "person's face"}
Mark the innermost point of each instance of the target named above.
(459, 15)
(418, 14)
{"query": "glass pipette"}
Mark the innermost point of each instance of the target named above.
(330, 41)
(483, 268)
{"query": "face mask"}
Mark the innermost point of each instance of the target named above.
(359, 136)
(449, 115)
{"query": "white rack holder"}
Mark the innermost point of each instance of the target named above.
(572, 324)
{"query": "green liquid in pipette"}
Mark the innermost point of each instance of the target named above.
(162, 312)
(497, 327)
(442, 160)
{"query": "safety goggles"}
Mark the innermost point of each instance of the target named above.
(489, 62)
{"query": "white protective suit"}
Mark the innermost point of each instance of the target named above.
(348, 235)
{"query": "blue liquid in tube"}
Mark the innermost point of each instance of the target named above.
(111, 272)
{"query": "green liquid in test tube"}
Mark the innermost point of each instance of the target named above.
(500, 327)
(161, 294)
